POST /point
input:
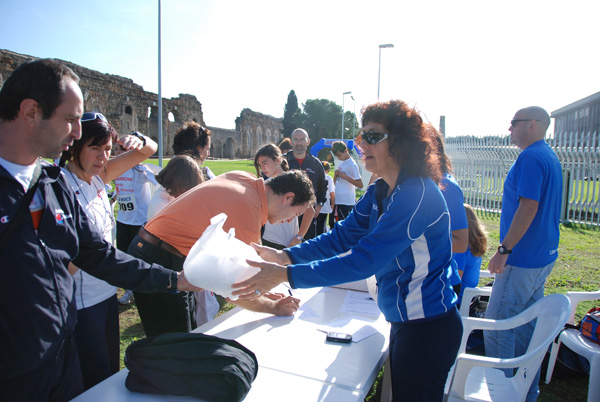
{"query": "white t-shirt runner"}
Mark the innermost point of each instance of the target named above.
(345, 192)
(134, 189)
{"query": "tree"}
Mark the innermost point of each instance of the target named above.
(291, 108)
(349, 121)
(321, 118)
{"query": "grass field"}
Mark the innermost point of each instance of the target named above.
(576, 269)
(220, 166)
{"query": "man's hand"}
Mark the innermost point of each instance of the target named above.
(184, 285)
(270, 303)
(497, 263)
(286, 306)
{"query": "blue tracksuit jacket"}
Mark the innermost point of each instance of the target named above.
(404, 239)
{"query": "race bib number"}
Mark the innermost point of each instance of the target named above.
(127, 202)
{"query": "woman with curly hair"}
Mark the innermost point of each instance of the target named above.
(399, 231)
(194, 140)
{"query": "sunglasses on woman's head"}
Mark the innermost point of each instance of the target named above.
(373, 137)
(90, 116)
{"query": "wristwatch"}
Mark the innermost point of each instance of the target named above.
(299, 238)
(173, 281)
(503, 250)
(140, 136)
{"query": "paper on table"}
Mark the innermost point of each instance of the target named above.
(307, 312)
(359, 329)
(361, 303)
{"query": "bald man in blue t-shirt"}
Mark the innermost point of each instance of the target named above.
(529, 234)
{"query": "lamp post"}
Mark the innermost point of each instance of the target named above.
(343, 98)
(160, 131)
(379, 73)
(353, 115)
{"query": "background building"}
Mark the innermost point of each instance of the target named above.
(128, 107)
(578, 124)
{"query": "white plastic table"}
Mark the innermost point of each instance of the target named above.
(294, 345)
(295, 362)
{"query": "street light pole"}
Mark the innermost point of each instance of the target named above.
(343, 98)
(379, 73)
(353, 115)
(160, 131)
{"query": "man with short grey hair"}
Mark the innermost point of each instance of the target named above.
(529, 234)
(300, 158)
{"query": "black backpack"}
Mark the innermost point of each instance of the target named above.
(198, 365)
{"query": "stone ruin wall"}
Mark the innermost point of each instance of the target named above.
(128, 107)
(256, 130)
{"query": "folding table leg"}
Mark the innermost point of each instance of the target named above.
(386, 388)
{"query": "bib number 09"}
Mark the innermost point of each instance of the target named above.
(126, 206)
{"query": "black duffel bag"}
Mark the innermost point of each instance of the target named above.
(198, 365)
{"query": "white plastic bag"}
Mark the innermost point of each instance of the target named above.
(218, 259)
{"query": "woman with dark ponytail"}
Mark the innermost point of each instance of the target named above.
(269, 162)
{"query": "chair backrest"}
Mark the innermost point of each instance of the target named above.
(552, 313)
(549, 316)
(576, 298)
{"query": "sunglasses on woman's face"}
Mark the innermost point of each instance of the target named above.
(89, 116)
(373, 137)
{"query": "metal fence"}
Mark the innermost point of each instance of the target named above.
(481, 164)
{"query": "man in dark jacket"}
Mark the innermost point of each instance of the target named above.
(299, 158)
(40, 109)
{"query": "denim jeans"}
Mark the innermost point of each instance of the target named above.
(514, 291)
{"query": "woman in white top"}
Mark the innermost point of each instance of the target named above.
(181, 174)
(193, 140)
(270, 162)
(88, 170)
(327, 209)
(134, 189)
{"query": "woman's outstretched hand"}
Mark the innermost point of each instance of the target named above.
(271, 255)
(270, 275)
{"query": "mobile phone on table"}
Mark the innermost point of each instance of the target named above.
(338, 337)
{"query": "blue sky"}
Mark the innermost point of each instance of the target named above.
(474, 61)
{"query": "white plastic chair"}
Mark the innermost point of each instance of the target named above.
(579, 344)
(480, 378)
(469, 294)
